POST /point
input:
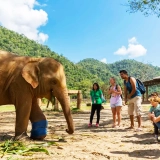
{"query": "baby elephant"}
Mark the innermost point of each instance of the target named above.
(24, 79)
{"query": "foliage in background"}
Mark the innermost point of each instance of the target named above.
(82, 75)
(147, 7)
(136, 69)
(21, 45)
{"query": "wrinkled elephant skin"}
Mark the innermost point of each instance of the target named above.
(23, 80)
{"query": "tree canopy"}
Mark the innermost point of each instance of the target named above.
(147, 7)
(21, 45)
(82, 75)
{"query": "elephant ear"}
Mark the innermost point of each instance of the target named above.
(30, 73)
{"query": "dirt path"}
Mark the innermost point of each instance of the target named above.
(90, 143)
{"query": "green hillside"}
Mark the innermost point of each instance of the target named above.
(77, 78)
(96, 67)
(83, 74)
(139, 70)
(134, 68)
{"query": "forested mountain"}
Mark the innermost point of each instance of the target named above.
(134, 68)
(83, 74)
(77, 78)
(96, 67)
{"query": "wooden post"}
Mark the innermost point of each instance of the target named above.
(69, 99)
(143, 97)
(47, 104)
(56, 106)
(146, 93)
(79, 99)
(70, 92)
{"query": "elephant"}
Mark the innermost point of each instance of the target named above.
(24, 79)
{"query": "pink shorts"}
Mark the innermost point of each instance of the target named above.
(117, 104)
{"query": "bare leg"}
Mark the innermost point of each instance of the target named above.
(118, 110)
(139, 121)
(132, 121)
(114, 116)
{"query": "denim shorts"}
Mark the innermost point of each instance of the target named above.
(119, 103)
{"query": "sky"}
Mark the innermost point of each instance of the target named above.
(80, 29)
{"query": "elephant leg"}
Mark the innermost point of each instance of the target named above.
(23, 109)
(39, 122)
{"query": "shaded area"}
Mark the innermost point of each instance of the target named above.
(103, 142)
(146, 154)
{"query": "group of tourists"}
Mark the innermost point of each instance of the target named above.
(132, 98)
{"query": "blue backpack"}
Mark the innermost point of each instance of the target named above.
(141, 86)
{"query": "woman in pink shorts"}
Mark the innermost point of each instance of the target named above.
(115, 101)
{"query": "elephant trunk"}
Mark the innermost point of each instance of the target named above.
(64, 101)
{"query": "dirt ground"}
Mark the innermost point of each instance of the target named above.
(92, 143)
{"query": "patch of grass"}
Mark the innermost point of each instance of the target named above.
(86, 108)
(76, 110)
(6, 108)
(83, 108)
(146, 107)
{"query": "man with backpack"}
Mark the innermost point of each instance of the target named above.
(132, 96)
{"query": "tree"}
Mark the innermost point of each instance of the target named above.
(85, 86)
(147, 7)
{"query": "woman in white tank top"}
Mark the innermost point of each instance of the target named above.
(115, 101)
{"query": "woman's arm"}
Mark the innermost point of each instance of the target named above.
(91, 96)
(119, 90)
(110, 91)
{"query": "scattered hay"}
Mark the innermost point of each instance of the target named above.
(10, 147)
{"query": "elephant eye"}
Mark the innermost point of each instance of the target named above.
(54, 82)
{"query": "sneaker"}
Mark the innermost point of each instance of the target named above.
(156, 136)
(114, 126)
(138, 129)
(97, 125)
(89, 125)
